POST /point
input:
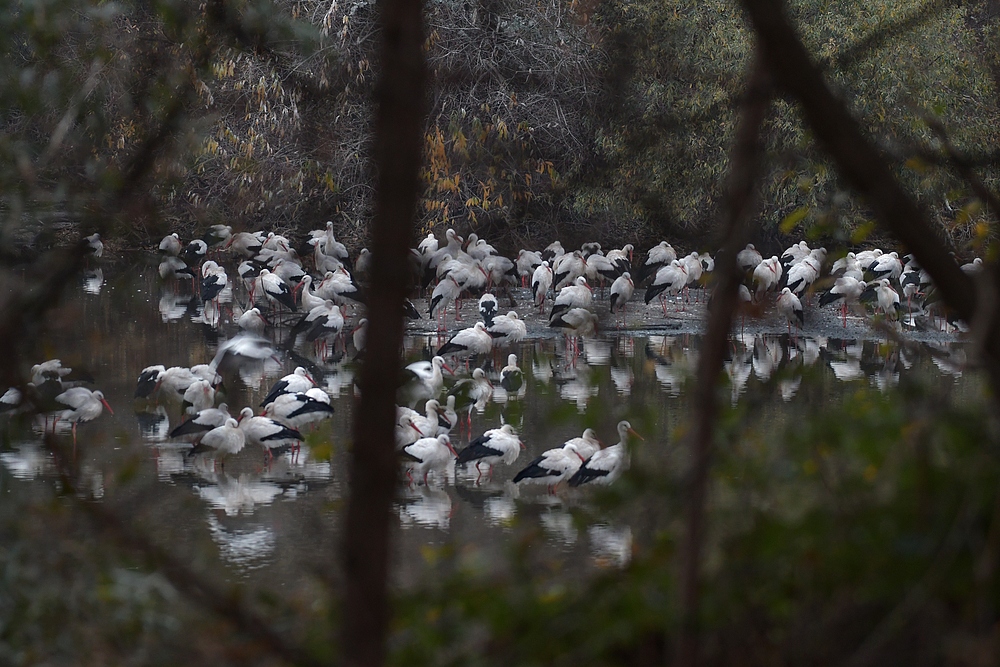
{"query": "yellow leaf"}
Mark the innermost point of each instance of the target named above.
(916, 164)
(793, 219)
(862, 232)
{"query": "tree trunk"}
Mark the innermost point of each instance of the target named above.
(373, 467)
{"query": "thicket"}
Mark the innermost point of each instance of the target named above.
(610, 120)
(576, 120)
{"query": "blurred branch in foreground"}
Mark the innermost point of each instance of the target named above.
(736, 230)
(373, 469)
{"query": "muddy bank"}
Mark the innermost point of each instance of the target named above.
(688, 317)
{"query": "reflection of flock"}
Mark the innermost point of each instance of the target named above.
(786, 358)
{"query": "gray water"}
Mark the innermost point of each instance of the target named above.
(280, 520)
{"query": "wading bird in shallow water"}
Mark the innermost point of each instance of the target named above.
(578, 322)
(577, 295)
(621, 293)
(474, 340)
(83, 405)
(541, 281)
(498, 445)
(488, 308)
(511, 377)
(669, 279)
(846, 290)
(507, 329)
(427, 455)
(472, 393)
(607, 465)
(223, 440)
(422, 380)
(791, 308)
(202, 423)
(268, 433)
(445, 293)
(300, 409)
(559, 464)
(295, 382)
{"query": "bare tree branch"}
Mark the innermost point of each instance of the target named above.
(373, 468)
(738, 204)
(858, 159)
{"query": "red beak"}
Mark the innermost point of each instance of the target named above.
(107, 406)
(637, 435)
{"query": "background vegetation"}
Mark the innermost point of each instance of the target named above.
(579, 120)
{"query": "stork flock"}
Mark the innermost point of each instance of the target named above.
(317, 298)
(280, 295)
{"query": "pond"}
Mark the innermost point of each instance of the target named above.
(278, 520)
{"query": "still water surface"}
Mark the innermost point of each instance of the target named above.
(281, 519)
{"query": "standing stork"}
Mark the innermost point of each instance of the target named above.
(541, 281)
(474, 340)
(498, 445)
(606, 465)
(671, 279)
(560, 463)
(511, 377)
(791, 308)
(657, 257)
(428, 455)
(621, 293)
(83, 405)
